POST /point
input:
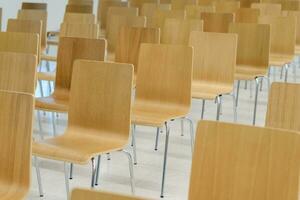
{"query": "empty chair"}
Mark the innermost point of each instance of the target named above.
(82, 194)
(283, 106)
(34, 6)
(217, 22)
(180, 4)
(77, 8)
(213, 77)
(99, 117)
(252, 55)
(160, 16)
(80, 18)
(148, 10)
(247, 15)
(177, 31)
(246, 162)
(194, 11)
(129, 42)
(15, 149)
(227, 6)
(169, 96)
(272, 9)
(283, 40)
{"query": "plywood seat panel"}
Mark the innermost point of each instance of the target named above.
(52, 103)
(249, 72)
(47, 76)
(209, 90)
(279, 59)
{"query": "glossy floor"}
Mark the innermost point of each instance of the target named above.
(115, 174)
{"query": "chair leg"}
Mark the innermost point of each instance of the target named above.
(203, 109)
(219, 103)
(281, 72)
(261, 84)
(93, 173)
(108, 156)
(49, 88)
(53, 123)
(132, 182)
(165, 160)
(191, 134)
(295, 71)
(237, 92)
(182, 126)
(41, 88)
(66, 170)
(38, 174)
(255, 101)
(71, 171)
(98, 170)
(286, 67)
(40, 125)
(156, 139)
(134, 145)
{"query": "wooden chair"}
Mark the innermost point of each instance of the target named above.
(194, 11)
(158, 20)
(283, 107)
(290, 5)
(272, 9)
(116, 22)
(69, 50)
(283, 40)
(129, 42)
(246, 162)
(149, 9)
(227, 6)
(158, 102)
(15, 149)
(82, 194)
(75, 8)
(79, 30)
(177, 31)
(80, 18)
(18, 72)
(180, 4)
(252, 54)
(139, 3)
(213, 78)
(217, 22)
(103, 7)
(297, 15)
(34, 6)
(99, 117)
(247, 15)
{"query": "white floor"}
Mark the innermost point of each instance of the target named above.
(115, 174)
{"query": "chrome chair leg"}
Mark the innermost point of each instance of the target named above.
(38, 174)
(182, 127)
(66, 170)
(295, 71)
(203, 109)
(40, 125)
(286, 67)
(49, 88)
(219, 102)
(93, 173)
(257, 81)
(156, 139)
(281, 72)
(41, 88)
(191, 134)
(237, 92)
(133, 145)
(71, 171)
(53, 123)
(165, 160)
(130, 171)
(98, 170)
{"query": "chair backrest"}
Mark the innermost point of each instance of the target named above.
(247, 15)
(18, 72)
(208, 68)
(79, 8)
(79, 30)
(27, 43)
(283, 33)
(177, 31)
(129, 42)
(34, 6)
(297, 15)
(103, 7)
(227, 6)
(237, 162)
(171, 68)
(41, 15)
(26, 26)
(217, 22)
(290, 5)
(273, 9)
(81, 2)
(82, 194)
(100, 97)
(80, 18)
(148, 10)
(16, 119)
(69, 50)
(180, 4)
(116, 22)
(284, 106)
(139, 3)
(194, 11)
(158, 20)
(253, 44)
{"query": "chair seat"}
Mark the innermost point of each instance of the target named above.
(12, 192)
(155, 114)
(297, 50)
(208, 90)
(46, 76)
(248, 72)
(79, 145)
(52, 103)
(277, 60)
(48, 58)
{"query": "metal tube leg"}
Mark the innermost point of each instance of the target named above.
(182, 126)
(93, 173)
(108, 156)
(38, 174)
(156, 140)
(49, 87)
(237, 92)
(40, 124)
(191, 134)
(281, 73)
(132, 132)
(41, 88)
(203, 108)
(98, 170)
(67, 179)
(255, 101)
(295, 72)
(234, 108)
(274, 73)
(165, 160)
(134, 145)
(261, 84)
(286, 73)
(219, 102)
(53, 123)
(130, 171)
(71, 171)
